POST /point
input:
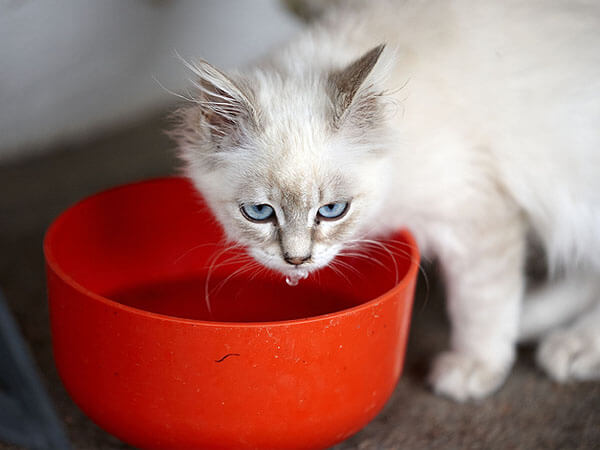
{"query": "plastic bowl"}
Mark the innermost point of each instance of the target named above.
(268, 366)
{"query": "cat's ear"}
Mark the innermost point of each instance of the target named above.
(225, 105)
(346, 84)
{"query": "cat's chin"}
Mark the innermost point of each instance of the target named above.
(300, 272)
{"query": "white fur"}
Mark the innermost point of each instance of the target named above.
(491, 131)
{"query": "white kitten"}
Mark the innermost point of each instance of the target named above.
(481, 127)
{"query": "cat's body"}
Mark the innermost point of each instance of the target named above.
(477, 126)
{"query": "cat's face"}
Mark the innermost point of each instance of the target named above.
(283, 178)
(292, 213)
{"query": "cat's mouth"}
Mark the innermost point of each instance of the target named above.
(300, 271)
(290, 271)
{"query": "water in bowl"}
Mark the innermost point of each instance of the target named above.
(235, 300)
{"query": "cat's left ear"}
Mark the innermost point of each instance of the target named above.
(349, 88)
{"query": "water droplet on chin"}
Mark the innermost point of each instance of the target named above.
(294, 278)
(292, 281)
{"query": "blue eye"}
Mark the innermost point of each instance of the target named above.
(332, 211)
(258, 213)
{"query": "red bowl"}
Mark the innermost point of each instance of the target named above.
(267, 366)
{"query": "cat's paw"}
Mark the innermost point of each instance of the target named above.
(572, 354)
(462, 377)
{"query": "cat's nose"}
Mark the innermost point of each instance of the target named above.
(295, 260)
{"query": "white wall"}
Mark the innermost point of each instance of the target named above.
(72, 67)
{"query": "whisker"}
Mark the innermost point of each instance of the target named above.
(237, 272)
(347, 266)
(390, 254)
(399, 249)
(211, 267)
(260, 270)
(363, 256)
(194, 248)
(338, 272)
(234, 259)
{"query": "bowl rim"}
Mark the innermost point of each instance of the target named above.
(54, 266)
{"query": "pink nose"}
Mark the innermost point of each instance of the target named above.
(296, 260)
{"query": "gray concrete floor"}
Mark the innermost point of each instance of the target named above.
(529, 412)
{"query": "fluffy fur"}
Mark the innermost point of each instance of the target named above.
(477, 127)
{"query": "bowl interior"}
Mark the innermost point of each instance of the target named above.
(156, 247)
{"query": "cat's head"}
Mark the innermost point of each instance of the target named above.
(292, 164)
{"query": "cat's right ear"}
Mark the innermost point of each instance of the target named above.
(226, 108)
(350, 89)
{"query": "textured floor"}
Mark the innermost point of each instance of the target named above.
(529, 412)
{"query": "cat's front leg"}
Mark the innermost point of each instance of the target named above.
(484, 283)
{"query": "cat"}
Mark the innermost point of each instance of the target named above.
(473, 124)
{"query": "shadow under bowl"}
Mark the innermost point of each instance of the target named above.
(166, 339)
